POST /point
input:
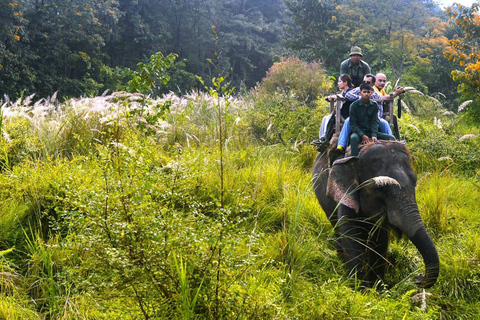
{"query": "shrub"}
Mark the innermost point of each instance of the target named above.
(281, 118)
(423, 106)
(436, 145)
(294, 77)
(284, 107)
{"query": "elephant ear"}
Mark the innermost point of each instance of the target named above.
(342, 180)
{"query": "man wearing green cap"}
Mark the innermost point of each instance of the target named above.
(355, 67)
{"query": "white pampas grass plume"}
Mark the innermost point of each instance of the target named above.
(6, 136)
(405, 106)
(295, 146)
(383, 181)
(164, 125)
(28, 99)
(414, 128)
(464, 104)
(467, 137)
(119, 145)
(416, 91)
(54, 97)
(438, 103)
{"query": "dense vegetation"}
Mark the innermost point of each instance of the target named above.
(84, 47)
(144, 203)
(201, 206)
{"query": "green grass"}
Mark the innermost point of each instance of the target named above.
(114, 210)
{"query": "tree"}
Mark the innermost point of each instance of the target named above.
(139, 30)
(249, 34)
(16, 75)
(148, 77)
(430, 71)
(464, 48)
(401, 38)
(66, 38)
(316, 34)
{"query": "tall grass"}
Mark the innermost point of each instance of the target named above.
(131, 216)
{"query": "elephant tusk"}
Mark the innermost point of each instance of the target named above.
(383, 181)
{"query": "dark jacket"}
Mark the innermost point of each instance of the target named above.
(355, 72)
(364, 118)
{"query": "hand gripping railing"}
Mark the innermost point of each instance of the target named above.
(386, 104)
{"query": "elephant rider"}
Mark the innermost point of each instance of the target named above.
(355, 95)
(379, 87)
(354, 66)
(364, 120)
(327, 127)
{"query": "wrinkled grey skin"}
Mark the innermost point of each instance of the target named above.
(363, 218)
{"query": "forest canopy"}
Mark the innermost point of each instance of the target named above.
(82, 48)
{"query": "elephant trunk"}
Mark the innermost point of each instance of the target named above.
(412, 225)
(425, 246)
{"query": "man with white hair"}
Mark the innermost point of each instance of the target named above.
(379, 87)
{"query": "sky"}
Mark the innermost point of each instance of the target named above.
(446, 3)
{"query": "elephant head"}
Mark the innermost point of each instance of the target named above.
(380, 184)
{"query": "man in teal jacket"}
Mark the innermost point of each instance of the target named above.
(364, 120)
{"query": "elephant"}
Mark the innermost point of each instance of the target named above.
(364, 198)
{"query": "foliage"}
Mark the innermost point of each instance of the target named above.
(86, 47)
(113, 208)
(436, 143)
(464, 48)
(285, 101)
(325, 31)
(251, 34)
(281, 118)
(15, 72)
(82, 48)
(148, 77)
(422, 105)
(313, 32)
(292, 76)
(65, 40)
(181, 81)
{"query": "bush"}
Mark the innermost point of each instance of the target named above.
(423, 106)
(143, 215)
(281, 118)
(436, 145)
(285, 106)
(306, 82)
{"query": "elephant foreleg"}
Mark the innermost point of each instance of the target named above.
(352, 240)
(377, 247)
